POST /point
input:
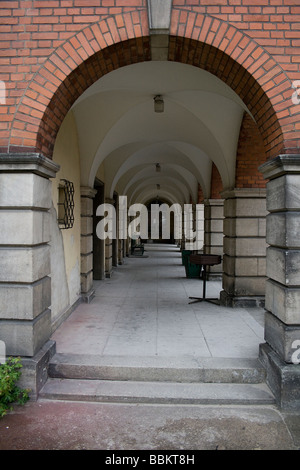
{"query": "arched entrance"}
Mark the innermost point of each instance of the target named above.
(226, 53)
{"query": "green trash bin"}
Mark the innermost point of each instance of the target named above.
(191, 270)
(185, 256)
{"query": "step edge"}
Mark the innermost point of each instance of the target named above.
(96, 396)
(236, 375)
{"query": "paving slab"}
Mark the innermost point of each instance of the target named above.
(143, 309)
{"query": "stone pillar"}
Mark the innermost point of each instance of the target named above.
(213, 233)
(244, 260)
(109, 248)
(25, 285)
(182, 240)
(87, 290)
(281, 352)
(115, 242)
(120, 242)
(120, 251)
(199, 227)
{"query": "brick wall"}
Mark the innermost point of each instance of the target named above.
(51, 50)
(250, 155)
(216, 183)
(274, 24)
(254, 47)
(216, 186)
(200, 195)
(34, 34)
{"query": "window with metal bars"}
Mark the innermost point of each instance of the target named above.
(65, 204)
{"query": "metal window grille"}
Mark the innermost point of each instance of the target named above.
(66, 204)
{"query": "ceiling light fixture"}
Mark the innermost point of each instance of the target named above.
(158, 104)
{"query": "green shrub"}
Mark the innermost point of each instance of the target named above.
(9, 392)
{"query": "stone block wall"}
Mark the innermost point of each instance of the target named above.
(244, 261)
(87, 195)
(25, 287)
(282, 323)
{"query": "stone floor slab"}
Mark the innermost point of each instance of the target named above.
(144, 309)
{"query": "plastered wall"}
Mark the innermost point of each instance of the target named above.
(65, 243)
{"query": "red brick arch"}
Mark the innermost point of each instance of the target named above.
(235, 58)
(121, 40)
(96, 50)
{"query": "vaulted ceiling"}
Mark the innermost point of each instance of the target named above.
(119, 131)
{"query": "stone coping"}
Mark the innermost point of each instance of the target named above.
(28, 162)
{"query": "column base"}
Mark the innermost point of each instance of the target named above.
(34, 372)
(283, 379)
(228, 300)
(25, 337)
(214, 276)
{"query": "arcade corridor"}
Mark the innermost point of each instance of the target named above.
(144, 310)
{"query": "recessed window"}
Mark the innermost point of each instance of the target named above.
(66, 204)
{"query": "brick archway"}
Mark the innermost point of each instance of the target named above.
(245, 66)
(120, 40)
(96, 50)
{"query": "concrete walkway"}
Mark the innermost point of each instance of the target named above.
(143, 312)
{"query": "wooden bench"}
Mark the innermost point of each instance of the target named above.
(137, 248)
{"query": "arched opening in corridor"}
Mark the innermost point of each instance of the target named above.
(192, 154)
(118, 114)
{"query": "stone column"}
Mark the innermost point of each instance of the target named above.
(213, 233)
(120, 251)
(87, 290)
(244, 260)
(182, 241)
(199, 227)
(281, 352)
(25, 285)
(115, 242)
(109, 248)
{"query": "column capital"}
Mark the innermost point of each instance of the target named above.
(109, 200)
(244, 193)
(87, 191)
(281, 165)
(28, 163)
(213, 202)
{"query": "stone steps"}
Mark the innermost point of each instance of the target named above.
(186, 369)
(156, 392)
(158, 380)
